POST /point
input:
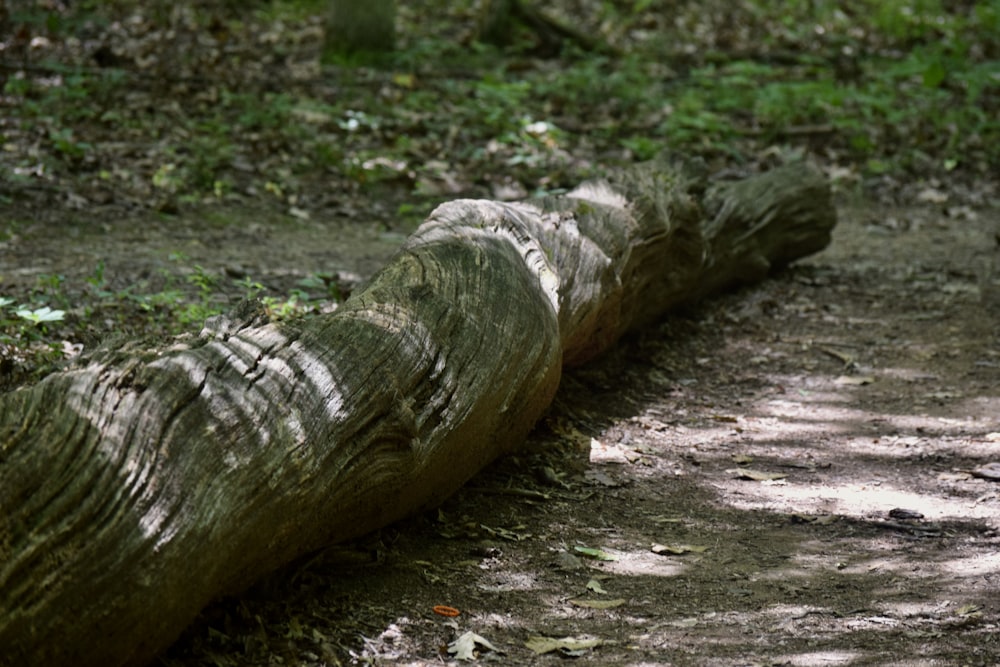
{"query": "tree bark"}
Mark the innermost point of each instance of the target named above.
(498, 19)
(360, 27)
(150, 480)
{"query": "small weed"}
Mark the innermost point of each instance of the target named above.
(323, 283)
(39, 316)
(24, 323)
(500, 103)
(251, 288)
(642, 148)
(65, 145)
(284, 309)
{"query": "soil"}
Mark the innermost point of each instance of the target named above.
(795, 474)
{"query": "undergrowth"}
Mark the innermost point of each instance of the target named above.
(172, 104)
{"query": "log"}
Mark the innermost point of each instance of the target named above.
(149, 480)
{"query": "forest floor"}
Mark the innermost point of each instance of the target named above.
(805, 472)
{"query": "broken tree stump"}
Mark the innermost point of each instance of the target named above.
(148, 481)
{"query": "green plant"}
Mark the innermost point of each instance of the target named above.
(28, 324)
(40, 316)
(643, 148)
(251, 288)
(500, 103)
(283, 309)
(67, 146)
(323, 283)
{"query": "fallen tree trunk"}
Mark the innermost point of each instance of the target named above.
(138, 487)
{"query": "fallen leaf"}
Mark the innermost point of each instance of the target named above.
(969, 610)
(847, 359)
(598, 604)
(404, 80)
(595, 586)
(542, 645)
(943, 395)
(464, 647)
(854, 380)
(601, 478)
(567, 561)
(729, 419)
(932, 196)
(595, 553)
(990, 471)
(678, 549)
(604, 453)
(756, 475)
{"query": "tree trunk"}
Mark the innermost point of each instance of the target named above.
(148, 481)
(360, 27)
(499, 19)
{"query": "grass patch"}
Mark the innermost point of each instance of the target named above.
(223, 100)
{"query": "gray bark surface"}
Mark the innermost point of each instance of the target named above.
(148, 481)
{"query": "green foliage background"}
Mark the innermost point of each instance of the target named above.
(164, 105)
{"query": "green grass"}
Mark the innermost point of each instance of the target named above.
(35, 326)
(921, 73)
(906, 87)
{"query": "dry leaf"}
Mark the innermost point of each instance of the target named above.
(595, 553)
(990, 471)
(932, 196)
(601, 478)
(969, 610)
(542, 645)
(464, 647)
(854, 380)
(943, 395)
(601, 452)
(729, 419)
(678, 549)
(756, 475)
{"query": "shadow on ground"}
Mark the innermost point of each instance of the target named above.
(796, 474)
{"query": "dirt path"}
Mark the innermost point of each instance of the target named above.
(860, 390)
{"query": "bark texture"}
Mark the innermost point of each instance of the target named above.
(498, 21)
(139, 486)
(360, 27)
